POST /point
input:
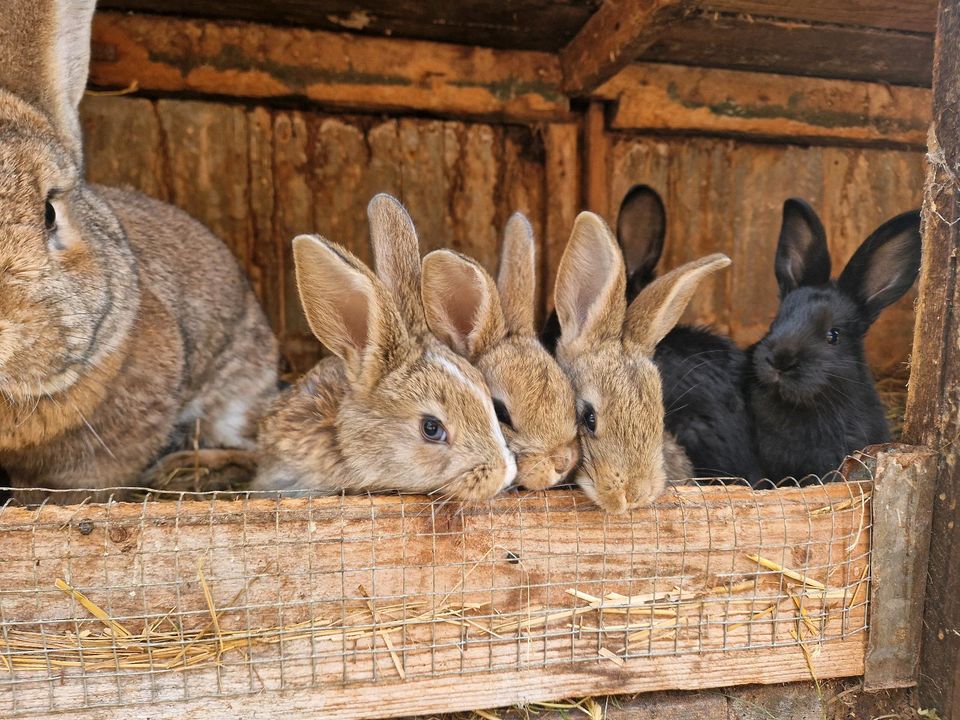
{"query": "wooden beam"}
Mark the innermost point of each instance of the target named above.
(614, 36)
(562, 161)
(704, 101)
(596, 154)
(742, 42)
(241, 60)
(931, 416)
(911, 15)
(323, 604)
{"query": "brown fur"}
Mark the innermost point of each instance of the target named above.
(124, 324)
(520, 373)
(607, 348)
(353, 423)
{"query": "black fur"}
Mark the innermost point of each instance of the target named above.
(810, 393)
(702, 372)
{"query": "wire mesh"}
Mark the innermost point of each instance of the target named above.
(189, 595)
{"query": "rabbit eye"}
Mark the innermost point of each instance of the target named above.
(833, 336)
(50, 216)
(432, 429)
(588, 418)
(503, 415)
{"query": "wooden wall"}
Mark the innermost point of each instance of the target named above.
(258, 175)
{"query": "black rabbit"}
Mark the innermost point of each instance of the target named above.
(702, 372)
(810, 392)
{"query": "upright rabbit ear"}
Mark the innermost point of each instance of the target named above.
(802, 255)
(461, 303)
(45, 58)
(396, 256)
(517, 278)
(589, 293)
(884, 267)
(659, 306)
(348, 309)
(641, 227)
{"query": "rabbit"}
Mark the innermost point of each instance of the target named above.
(123, 321)
(702, 372)
(393, 409)
(532, 396)
(809, 389)
(607, 350)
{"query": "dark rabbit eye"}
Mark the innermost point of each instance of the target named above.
(588, 418)
(503, 415)
(50, 216)
(833, 336)
(432, 429)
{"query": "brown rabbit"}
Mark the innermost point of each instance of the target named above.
(122, 320)
(532, 396)
(607, 349)
(395, 409)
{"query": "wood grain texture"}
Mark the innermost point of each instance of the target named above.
(910, 15)
(248, 60)
(275, 564)
(740, 42)
(596, 162)
(614, 36)
(932, 417)
(673, 98)
(727, 196)
(562, 158)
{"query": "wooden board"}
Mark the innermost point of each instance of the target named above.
(740, 42)
(299, 573)
(674, 98)
(163, 54)
(910, 15)
(932, 417)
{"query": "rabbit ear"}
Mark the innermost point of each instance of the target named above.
(659, 306)
(589, 293)
(396, 256)
(802, 255)
(45, 58)
(884, 267)
(348, 309)
(641, 227)
(461, 303)
(517, 278)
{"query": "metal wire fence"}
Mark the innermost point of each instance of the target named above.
(189, 595)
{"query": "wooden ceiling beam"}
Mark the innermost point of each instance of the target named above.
(614, 36)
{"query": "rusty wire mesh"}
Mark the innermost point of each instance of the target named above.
(185, 596)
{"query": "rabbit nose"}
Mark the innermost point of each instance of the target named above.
(783, 362)
(565, 460)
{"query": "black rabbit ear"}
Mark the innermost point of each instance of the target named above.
(641, 227)
(802, 255)
(884, 267)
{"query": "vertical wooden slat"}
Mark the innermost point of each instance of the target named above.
(932, 407)
(563, 199)
(596, 150)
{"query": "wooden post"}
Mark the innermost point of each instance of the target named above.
(596, 183)
(932, 417)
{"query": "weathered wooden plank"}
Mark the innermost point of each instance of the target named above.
(596, 161)
(902, 510)
(532, 24)
(614, 36)
(563, 193)
(910, 15)
(932, 418)
(480, 598)
(163, 54)
(740, 42)
(706, 101)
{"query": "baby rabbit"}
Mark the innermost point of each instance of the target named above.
(394, 409)
(122, 320)
(810, 391)
(702, 372)
(607, 348)
(532, 396)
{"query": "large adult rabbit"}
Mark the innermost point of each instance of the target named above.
(811, 393)
(702, 372)
(122, 320)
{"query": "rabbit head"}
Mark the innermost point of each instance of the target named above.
(492, 325)
(415, 415)
(606, 347)
(815, 343)
(68, 286)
